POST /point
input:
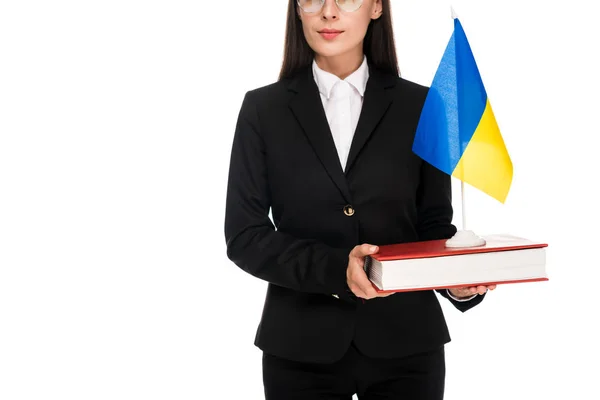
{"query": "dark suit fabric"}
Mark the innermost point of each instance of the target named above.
(283, 158)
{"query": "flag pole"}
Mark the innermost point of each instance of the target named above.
(464, 208)
(463, 237)
(453, 13)
(462, 183)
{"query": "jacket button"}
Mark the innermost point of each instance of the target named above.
(349, 210)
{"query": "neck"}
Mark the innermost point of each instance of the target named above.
(341, 65)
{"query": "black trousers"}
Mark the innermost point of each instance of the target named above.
(416, 377)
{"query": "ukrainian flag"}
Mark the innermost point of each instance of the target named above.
(457, 131)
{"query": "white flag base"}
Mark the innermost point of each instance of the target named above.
(464, 238)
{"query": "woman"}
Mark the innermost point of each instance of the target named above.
(327, 149)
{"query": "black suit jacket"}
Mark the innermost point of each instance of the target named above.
(284, 159)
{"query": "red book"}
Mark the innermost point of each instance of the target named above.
(430, 264)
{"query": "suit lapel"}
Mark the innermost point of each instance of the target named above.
(375, 103)
(307, 107)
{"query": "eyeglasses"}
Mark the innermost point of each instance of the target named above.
(313, 6)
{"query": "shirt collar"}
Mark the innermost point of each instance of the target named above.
(326, 80)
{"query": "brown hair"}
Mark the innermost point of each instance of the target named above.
(378, 46)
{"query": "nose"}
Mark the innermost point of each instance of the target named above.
(330, 10)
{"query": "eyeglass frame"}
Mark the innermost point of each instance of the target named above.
(323, 3)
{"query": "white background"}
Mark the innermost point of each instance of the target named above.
(116, 121)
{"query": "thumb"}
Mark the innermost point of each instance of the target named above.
(366, 249)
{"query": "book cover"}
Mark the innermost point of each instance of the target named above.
(437, 248)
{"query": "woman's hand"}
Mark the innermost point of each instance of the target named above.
(470, 290)
(357, 279)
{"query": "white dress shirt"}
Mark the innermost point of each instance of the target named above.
(342, 102)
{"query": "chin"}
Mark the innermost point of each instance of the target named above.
(334, 48)
(331, 51)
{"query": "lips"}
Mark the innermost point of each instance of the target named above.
(329, 33)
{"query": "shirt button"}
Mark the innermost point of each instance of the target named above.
(349, 210)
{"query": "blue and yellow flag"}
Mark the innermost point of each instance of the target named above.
(457, 131)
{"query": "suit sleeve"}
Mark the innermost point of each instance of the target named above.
(435, 217)
(253, 244)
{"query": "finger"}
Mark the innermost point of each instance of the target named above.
(364, 284)
(481, 289)
(371, 293)
(364, 250)
(369, 290)
(492, 287)
(460, 292)
(357, 291)
(356, 280)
